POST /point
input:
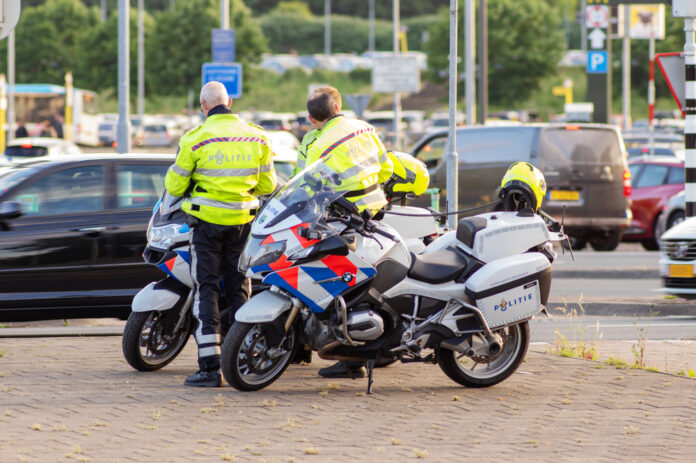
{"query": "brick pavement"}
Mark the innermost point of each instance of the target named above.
(75, 399)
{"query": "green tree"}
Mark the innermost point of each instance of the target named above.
(47, 40)
(525, 44)
(98, 64)
(181, 42)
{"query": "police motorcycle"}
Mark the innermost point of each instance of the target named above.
(161, 322)
(349, 288)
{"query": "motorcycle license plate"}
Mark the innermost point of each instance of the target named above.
(565, 195)
(681, 270)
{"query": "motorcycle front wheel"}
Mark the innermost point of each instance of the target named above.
(148, 343)
(248, 360)
(487, 370)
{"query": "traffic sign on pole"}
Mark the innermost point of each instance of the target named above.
(223, 43)
(597, 62)
(9, 15)
(229, 74)
(358, 103)
(674, 71)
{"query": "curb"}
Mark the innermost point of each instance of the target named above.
(603, 273)
(642, 309)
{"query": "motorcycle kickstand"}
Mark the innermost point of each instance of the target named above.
(370, 369)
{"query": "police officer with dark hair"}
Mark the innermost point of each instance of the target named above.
(227, 163)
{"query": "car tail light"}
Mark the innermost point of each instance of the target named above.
(627, 183)
(27, 145)
(572, 127)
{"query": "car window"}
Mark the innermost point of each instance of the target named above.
(635, 170)
(139, 185)
(67, 191)
(14, 177)
(432, 152)
(580, 146)
(676, 175)
(495, 145)
(653, 174)
(26, 151)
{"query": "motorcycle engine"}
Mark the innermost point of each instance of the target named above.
(365, 325)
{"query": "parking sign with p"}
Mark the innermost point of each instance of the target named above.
(597, 62)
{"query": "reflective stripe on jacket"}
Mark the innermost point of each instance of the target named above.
(352, 149)
(229, 162)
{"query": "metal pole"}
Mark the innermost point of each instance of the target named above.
(141, 60)
(327, 27)
(626, 70)
(397, 97)
(470, 61)
(224, 14)
(3, 111)
(483, 62)
(451, 158)
(372, 26)
(651, 96)
(123, 131)
(690, 111)
(566, 23)
(10, 86)
(103, 11)
(583, 26)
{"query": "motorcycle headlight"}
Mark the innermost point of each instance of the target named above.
(165, 235)
(268, 253)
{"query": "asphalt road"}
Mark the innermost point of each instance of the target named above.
(613, 328)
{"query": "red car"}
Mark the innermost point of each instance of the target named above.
(655, 179)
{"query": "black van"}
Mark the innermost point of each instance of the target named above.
(584, 165)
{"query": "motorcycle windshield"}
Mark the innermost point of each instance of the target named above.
(303, 200)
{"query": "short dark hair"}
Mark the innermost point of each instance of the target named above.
(320, 104)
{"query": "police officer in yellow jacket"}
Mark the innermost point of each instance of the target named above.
(224, 165)
(350, 147)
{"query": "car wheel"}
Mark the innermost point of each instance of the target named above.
(606, 242)
(676, 218)
(576, 243)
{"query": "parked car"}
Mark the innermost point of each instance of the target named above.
(21, 149)
(678, 259)
(584, 165)
(151, 135)
(107, 133)
(654, 180)
(72, 233)
(673, 213)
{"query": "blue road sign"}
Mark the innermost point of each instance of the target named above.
(597, 62)
(223, 45)
(229, 74)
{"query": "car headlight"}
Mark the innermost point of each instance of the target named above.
(268, 253)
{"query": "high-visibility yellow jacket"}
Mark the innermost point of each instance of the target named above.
(307, 140)
(229, 162)
(352, 149)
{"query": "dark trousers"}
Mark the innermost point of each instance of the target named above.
(215, 251)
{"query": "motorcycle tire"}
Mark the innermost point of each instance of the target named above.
(500, 366)
(146, 345)
(243, 360)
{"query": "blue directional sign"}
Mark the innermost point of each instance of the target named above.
(223, 45)
(229, 74)
(597, 62)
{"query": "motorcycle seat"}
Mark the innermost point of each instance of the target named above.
(440, 266)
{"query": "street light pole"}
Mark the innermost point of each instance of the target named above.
(470, 61)
(327, 27)
(451, 158)
(141, 60)
(224, 14)
(103, 10)
(397, 97)
(123, 130)
(372, 26)
(10, 86)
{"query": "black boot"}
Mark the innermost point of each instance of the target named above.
(302, 355)
(204, 379)
(344, 370)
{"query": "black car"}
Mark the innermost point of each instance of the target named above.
(584, 165)
(72, 233)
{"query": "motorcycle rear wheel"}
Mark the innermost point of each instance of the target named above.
(245, 361)
(484, 372)
(146, 345)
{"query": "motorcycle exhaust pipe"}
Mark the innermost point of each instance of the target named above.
(494, 348)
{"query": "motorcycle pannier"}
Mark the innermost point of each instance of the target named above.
(511, 289)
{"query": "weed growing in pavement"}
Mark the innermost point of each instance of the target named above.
(574, 345)
(639, 348)
(690, 373)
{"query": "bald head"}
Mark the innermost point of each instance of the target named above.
(213, 94)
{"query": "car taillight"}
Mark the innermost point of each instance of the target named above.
(27, 145)
(627, 183)
(572, 127)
